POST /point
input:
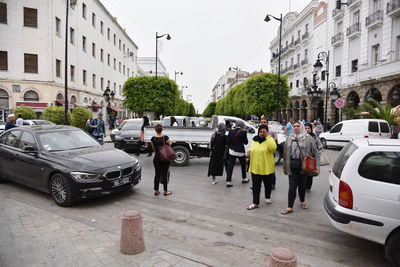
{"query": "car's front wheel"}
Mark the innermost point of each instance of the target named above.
(60, 190)
(392, 249)
(277, 156)
(182, 156)
(323, 142)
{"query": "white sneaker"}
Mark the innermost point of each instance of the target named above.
(214, 181)
(268, 201)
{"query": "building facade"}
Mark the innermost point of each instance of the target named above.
(32, 55)
(148, 65)
(226, 82)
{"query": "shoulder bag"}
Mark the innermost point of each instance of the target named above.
(225, 157)
(166, 152)
(308, 162)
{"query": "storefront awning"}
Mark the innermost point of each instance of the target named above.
(33, 105)
(60, 102)
(117, 109)
(96, 106)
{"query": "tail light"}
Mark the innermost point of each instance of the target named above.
(345, 195)
(365, 136)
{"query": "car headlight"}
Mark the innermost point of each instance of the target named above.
(115, 131)
(84, 175)
(118, 138)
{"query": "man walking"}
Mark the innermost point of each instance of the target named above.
(19, 121)
(99, 130)
(289, 127)
(10, 122)
(273, 134)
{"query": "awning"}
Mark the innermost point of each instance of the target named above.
(117, 109)
(60, 102)
(96, 106)
(33, 105)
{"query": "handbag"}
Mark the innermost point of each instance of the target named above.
(225, 157)
(166, 152)
(324, 158)
(308, 162)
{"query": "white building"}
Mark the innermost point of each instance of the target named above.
(226, 82)
(148, 65)
(32, 54)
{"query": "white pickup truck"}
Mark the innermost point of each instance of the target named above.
(194, 142)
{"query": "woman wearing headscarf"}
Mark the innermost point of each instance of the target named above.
(236, 140)
(297, 147)
(318, 143)
(262, 165)
(145, 122)
(174, 122)
(216, 166)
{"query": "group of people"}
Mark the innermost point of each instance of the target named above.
(316, 127)
(10, 122)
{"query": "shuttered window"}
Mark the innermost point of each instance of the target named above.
(58, 68)
(31, 63)
(3, 13)
(30, 17)
(3, 60)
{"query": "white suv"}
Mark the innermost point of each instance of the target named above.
(364, 193)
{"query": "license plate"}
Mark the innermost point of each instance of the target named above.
(121, 181)
(131, 142)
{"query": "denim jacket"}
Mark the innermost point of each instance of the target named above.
(100, 130)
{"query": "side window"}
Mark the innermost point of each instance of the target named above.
(11, 138)
(27, 139)
(384, 127)
(337, 128)
(373, 127)
(342, 158)
(381, 166)
(25, 123)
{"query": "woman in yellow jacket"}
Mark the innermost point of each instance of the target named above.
(262, 165)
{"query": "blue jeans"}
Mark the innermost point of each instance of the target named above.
(232, 160)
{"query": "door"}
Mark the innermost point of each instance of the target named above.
(334, 137)
(8, 150)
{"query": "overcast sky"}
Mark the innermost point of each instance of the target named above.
(208, 36)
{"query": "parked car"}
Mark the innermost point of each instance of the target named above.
(66, 162)
(276, 126)
(345, 131)
(364, 193)
(37, 122)
(127, 135)
(2, 126)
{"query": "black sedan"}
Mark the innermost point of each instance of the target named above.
(66, 162)
(127, 136)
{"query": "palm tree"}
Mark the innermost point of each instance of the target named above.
(379, 112)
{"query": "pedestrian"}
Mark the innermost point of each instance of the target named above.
(318, 143)
(145, 122)
(328, 125)
(297, 146)
(289, 127)
(262, 165)
(98, 127)
(236, 140)
(217, 143)
(161, 167)
(174, 121)
(304, 122)
(319, 128)
(19, 121)
(116, 124)
(272, 134)
(10, 122)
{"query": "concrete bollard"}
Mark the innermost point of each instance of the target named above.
(282, 257)
(132, 239)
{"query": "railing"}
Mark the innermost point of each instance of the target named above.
(337, 37)
(392, 6)
(304, 61)
(336, 12)
(305, 36)
(374, 17)
(297, 41)
(296, 66)
(356, 27)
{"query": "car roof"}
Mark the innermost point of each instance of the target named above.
(377, 142)
(358, 120)
(46, 128)
(134, 120)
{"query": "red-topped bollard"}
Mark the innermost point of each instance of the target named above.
(282, 257)
(132, 239)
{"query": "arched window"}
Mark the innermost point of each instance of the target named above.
(31, 96)
(73, 99)
(60, 97)
(3, 99)
(85, 100)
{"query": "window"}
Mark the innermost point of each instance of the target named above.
(298, 34)
(123, 70)
(84, 43)
(58, 68)
(381, 166)
(384, 127)
(305, 54)
(306, 28)
(323, 75)
(72, 73)
(3, 60)
(16, 88)
(115, 64)
(27, 139)
(102, 83)
(123, 49)
(108, 59)
(108, 34)
(298, 58)
(337, 128)
(93, 50)
(297, 83)
(84, 77)
(375, 54)
(119, 66)
(58, 26)
(94, 20)
(30, 17)
(127, 72)
(72, 35)
(354, 65)
(31, 63)
(3, 13)
(119, 44)
(83, 10)
(94, 80)
(10, 139)
(115, 40)
(101, 55)
(342, 158)
(101, 27)
(115, 87)
(338, 71)
(108, 83)
(120, 90)
(373, 127)
(291, 85)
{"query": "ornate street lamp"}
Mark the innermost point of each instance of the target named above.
(334, 91)
(108, 95)
(315, 94)
(324, 56)
(159, 36)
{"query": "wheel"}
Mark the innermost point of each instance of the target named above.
(323, 142)
(392, 249)
(277, 156)
(182, 156)
(60, 190)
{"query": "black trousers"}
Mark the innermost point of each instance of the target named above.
(161, 174)
(256, 180)
(232, 160)
(297, 180)
(309, 182)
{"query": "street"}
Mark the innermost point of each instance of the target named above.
(199, 224)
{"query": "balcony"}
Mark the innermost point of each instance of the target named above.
(304, 62)
(297, 42)
(296, 66)
(393, 8)
(353, 3)
(291, 47)
(337, 13)
(337, 39)
(284, 50)
(374, 20)
(290, 69)
(353, 31)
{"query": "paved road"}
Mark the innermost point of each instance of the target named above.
(199, 224)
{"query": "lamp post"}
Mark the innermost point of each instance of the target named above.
(73, 3)
(108, 95)
(324, 56)
(183, 87)
(237, 70)
(178, 72)
(159, 36)
(334, 96)
(267, 18)
(315, 96)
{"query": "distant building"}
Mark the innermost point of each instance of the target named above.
(226, 82)
(148, 65)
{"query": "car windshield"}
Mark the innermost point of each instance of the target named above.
(66, 140)
(132, 126)
(342, 158)
(42, 122)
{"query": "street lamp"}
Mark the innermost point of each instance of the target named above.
(237, 70)
(267, 18)
(334, 91)
(73, 3)
(324, 56)
(178, 72)
(108, 95)
(159, 36)
(315, 96)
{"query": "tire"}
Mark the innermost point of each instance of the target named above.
(60, 190)
(323, 142)
(392, 249)
(182, 156)
(277, 156)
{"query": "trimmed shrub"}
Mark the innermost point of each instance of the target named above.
(26, 112)
(80, 115)
(56, 115)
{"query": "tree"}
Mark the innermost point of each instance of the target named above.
(80, 115)
(56, 115)
(210, 109)
(191, 110)
(379, 112)
(26, 112)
